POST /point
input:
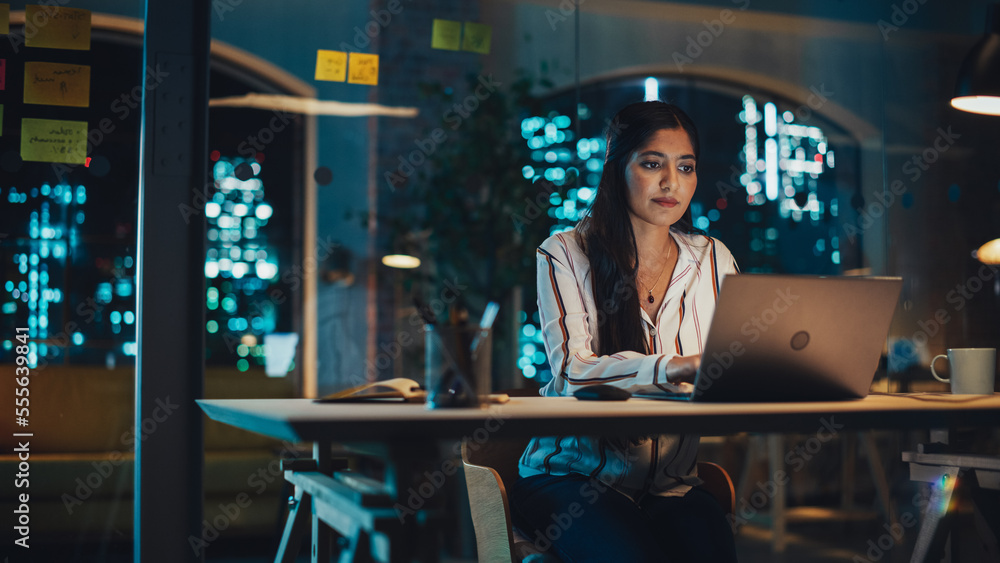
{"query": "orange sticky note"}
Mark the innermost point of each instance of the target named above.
(56, 27)
(4, 19)
(50, 140)
(331, 65)
(446, 34)
(477, 38)
(363, 69)
(57, 84)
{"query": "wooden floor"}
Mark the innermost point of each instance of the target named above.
(813, 543)
(817, 542)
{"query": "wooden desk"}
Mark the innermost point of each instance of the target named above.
(408, 436)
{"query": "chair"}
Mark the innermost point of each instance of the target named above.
(491, 467)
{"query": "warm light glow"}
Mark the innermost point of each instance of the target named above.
(310, 106)
(986, 105)
(989, 253)
(401, 261)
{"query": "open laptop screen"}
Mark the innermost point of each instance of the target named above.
(795, 338)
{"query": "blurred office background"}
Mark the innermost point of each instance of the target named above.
(828, 146)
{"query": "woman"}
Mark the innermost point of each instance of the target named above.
(625, 299)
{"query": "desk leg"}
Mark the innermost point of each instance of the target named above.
(754, 448)
(849, 449)
(878, 475)
(390, 522)
(295, 528)
(356, 549)
(322, 535)
(930, 541)
(778, 521)
(408, 466)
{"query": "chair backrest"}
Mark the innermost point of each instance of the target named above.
(718, 484)
(491, 467)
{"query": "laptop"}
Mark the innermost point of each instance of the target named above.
(794, 338)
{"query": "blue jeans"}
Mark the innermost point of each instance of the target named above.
(577, 518)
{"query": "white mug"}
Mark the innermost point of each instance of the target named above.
(972, 370)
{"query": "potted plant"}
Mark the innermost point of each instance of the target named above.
(472, 209)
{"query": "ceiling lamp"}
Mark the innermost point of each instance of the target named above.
(402, 261)
(989, 253)
(978, 86)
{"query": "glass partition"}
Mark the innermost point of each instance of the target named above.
(68, 247)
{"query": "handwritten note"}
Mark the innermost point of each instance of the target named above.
(363, 69)
(477, 38)
(4, 19)
(55, 27)
(3, 74)
(446, 34)
(331, 65)
(49, 140)
(56, 84)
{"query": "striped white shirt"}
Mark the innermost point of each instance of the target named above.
(663, 465)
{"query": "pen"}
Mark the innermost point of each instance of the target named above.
(489, 315)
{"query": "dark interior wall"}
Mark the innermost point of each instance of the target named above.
(945, 161)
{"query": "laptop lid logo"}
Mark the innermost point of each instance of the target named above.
(800, 340)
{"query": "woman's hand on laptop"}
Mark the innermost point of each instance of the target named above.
(683, 368)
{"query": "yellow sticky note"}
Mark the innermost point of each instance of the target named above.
(50, 140)
(364, 69)
(57, 84)
(4, 19)
(477, 38)
(56, 27)
(331, 65)
(446, 34)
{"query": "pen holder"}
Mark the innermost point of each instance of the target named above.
(452, 378)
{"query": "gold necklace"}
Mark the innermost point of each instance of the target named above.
(649, 291)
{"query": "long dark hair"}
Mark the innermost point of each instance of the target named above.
(606, 231)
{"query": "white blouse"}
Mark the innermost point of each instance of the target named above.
(662, 465)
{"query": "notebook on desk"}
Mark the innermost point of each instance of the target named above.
(793, 338)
